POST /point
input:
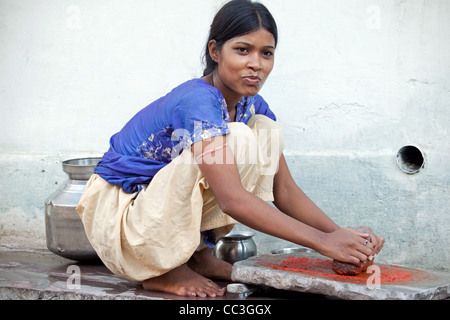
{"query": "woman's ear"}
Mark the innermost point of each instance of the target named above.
(213, 50)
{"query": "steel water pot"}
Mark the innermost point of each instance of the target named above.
(64, 230)
(235, 247)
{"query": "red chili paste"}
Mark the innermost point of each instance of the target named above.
(322, 268)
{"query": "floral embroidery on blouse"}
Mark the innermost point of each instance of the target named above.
(158, 146)
(243, 111)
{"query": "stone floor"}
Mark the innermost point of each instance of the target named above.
(42, 275)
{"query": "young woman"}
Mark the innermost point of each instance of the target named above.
(188, 166)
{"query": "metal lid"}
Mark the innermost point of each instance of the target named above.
(81, 168)
(292, 250)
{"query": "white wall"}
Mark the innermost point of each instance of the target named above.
(354, 81)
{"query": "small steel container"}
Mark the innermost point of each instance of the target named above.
(235, 247)
(292, 250)
(64, 230)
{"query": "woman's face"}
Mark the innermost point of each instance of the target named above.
(244, 63)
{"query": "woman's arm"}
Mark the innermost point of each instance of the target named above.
(223, 178)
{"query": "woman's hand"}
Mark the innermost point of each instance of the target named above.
(346, 245)
(376, 241)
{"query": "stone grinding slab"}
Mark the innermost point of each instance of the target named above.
(312, 273)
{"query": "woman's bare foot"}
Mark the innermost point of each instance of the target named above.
(191, 279)
(184, 281)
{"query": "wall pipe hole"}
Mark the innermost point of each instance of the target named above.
(410, 159)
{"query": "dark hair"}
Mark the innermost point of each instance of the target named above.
(236, 18)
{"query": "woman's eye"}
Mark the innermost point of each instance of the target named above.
(268, 54)
(242, 50)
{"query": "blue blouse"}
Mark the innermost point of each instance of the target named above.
(158, 133)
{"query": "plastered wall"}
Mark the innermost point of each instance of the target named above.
(354, 82)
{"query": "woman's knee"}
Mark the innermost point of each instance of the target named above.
(243, 141)
(260, 141)
(260, 121)
(268, 132)
(258, 125)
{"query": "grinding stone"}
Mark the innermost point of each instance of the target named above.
(257, 271)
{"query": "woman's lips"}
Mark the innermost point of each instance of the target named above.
(252, 80)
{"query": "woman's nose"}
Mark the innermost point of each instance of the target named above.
(255, 62)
